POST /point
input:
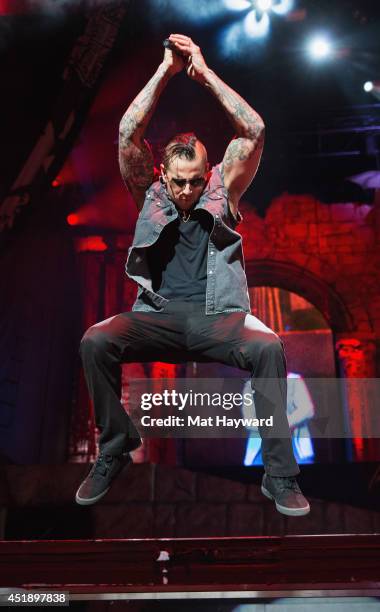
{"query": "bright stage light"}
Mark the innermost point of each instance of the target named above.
(319, 48)
(237, 5)
(368, 86)
(255, 23)
(264, 5)
(283, 7)
(72, 219)
(256, 27)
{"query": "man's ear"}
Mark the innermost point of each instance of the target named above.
(163, 177)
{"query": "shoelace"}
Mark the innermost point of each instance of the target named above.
(101, 465)
(289, 483)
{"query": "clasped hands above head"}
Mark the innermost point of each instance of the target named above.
(184, 53)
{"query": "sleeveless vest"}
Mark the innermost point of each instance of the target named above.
(226, 289)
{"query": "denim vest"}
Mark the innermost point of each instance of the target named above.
(226, 289)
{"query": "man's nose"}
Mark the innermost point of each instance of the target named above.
(187, 189)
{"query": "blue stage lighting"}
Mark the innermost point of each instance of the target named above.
(163, 11)
(238, 5)
(283, 7)
(264, 5)
(230, 41)
(256, 22)
(256, 26)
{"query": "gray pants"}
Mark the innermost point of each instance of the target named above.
(183, 332)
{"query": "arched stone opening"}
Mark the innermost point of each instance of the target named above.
(272, 273)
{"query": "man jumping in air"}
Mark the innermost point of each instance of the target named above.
(187, 259)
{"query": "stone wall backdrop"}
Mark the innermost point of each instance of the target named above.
(335, 244)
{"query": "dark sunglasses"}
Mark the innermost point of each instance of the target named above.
(195, 182)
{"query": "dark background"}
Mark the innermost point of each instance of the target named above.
(299, 99)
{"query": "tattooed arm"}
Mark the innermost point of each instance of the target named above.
(243, 154)
(135, 156)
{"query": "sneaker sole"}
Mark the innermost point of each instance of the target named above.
(284, 509)
(83, 501)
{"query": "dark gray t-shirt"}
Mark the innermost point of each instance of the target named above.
(178, 260)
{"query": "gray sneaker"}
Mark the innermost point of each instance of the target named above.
(97, 483)
(286, 494)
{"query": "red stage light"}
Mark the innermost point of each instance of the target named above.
(14, 7)
(91, 243)
(72, 219)
(299, 15)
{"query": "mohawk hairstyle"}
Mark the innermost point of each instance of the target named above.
(181, 145)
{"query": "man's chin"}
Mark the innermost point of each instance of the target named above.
(185, 204)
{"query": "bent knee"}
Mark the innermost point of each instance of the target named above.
(268, 345)
(272, 347)
(93, 341)
(260, 334)
(272, 342)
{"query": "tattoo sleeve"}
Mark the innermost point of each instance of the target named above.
(247, 122)
(135, 156)
(243, 153)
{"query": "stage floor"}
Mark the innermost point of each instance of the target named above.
(243, 567)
